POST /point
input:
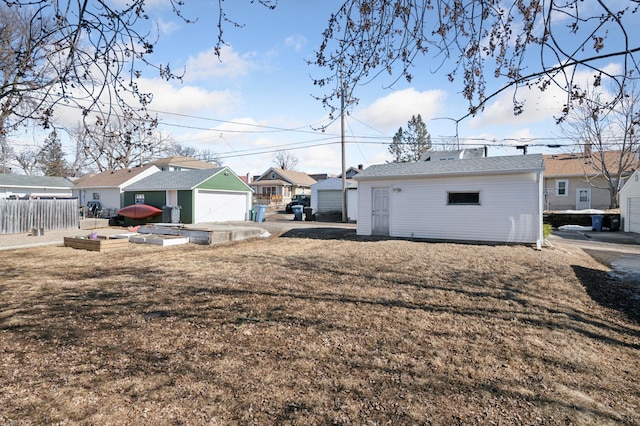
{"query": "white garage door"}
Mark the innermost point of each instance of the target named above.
(212, 206)
(634, 214)
(329, 201)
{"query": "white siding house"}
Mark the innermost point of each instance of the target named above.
(326, 197)
(494, 199)
(108, 186)
(629, 198)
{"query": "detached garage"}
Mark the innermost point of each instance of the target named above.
(213, 195)
(493, 199)
(326, 197)
(629, 198)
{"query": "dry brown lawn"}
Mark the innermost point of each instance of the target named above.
(314, 331)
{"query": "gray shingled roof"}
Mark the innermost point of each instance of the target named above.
(35, 181)
(178, 180)
(471, 166)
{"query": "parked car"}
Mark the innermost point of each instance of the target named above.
(298, 200)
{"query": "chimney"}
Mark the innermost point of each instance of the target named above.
(360, 167)
(587, 149)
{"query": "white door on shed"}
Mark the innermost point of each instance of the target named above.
(213, 206)
(380, 211)
(633, 215)
(329, 201)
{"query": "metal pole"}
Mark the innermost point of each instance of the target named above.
(344, 164)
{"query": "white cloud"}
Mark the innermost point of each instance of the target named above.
(296, 41)
(167, 27)
(394, 110)
(188, 99)
(206, 65)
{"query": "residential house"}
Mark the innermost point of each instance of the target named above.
(21, 186)
(491, 199)
(351, 172)
(278, 186)
(108, 187)
(210, 195)
(630, 204)
(572, 182)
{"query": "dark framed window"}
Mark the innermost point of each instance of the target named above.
(139, 199)
(466, 198)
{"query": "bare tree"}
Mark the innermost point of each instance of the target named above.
(285, 160)
(6, 154)
(118, 145)
(535, 43)
(76, 53)
(206, 155)
(609, 131)
(27, 159)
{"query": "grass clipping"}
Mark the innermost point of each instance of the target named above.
(306, 331)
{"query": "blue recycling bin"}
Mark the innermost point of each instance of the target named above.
(297, 212)
(596, 222)
(260, 211)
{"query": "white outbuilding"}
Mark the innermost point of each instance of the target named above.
(489, 199)
(629, 199)
(326, 197)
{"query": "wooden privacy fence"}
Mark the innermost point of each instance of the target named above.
(18, 216)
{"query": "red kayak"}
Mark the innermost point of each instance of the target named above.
(139, 211)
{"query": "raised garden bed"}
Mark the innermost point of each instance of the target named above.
(101, 243)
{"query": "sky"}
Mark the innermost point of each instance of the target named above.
(259, 98)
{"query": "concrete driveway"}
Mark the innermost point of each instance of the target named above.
(618, 250)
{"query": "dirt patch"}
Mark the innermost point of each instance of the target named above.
(294, 330)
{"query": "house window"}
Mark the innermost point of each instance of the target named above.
(139, 199)
(96, 195)
(273, 175)
(269, 190)
(562, 187)
(463, 198)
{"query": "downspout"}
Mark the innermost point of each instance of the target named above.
(540, 181)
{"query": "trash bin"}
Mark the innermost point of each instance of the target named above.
(297, 212)
(260, 212)
(171, 214)
(308, 214)
(615, 223)
(596, 222)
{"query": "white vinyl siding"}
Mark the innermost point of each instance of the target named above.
(219, 206)
(629, 197)
(509, 209)
(634, 214)
(334, 185)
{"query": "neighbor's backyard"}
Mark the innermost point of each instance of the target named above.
(314, 331)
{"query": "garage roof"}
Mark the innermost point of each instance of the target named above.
(177, 180)
(471, 166)
(35, 181)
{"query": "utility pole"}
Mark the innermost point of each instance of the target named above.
(344, 164)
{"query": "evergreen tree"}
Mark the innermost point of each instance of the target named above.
(51, 161)
(409, 145)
